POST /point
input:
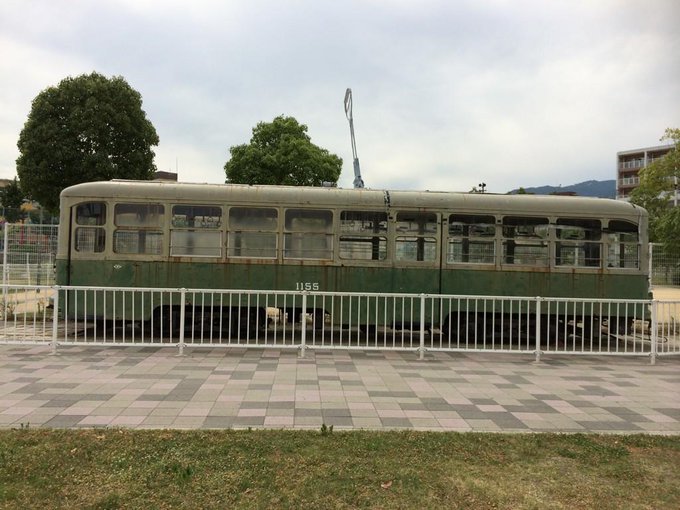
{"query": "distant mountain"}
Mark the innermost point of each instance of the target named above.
(602, 189)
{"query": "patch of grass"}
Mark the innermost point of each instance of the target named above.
(111, 468)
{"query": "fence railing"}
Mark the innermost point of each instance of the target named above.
(317, 320)
(664, 268)
(28, 253)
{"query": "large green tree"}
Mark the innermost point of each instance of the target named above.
(659, 182)
(87, 128)
(281, 152)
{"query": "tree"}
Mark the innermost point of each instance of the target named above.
(87, 128)
(11, 199)
(281, 152)
(659, 182)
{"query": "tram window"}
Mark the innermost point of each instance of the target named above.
(90, 239)
(144, 238)
(137, 242)
(91, 213)
(308, 234)
(252, 232)
(359, 240)
(578, 242)
(138, 215)
(471, 239)
(253, 218)
(414, 241)
(193, 231)
(623, 245)
(363, 222)
(415, 223)
(196, 216)
(363, 247)
(525, 241)
(416, 249)
(195, 243)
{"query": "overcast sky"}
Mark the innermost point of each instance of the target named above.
(447, 94)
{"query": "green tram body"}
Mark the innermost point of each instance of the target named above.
(155, 234)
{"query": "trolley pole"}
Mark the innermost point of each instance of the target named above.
(358, 181)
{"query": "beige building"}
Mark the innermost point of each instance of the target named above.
(628, 166)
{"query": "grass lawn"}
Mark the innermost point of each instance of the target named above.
(116, 468)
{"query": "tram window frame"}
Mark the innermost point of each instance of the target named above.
(522, 232)
(91, 236)
(417, 244)
(623, 245)
(363, 235)
(141, 237)
(262, 235)
(578, 242)
(138, 242)
(195, 230)
(308, 234)
(91, 211)
(469, 235)
(187, 216)
(90, 240)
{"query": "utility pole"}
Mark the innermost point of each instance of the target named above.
(358, 181)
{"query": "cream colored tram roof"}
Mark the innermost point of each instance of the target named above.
(535, 205)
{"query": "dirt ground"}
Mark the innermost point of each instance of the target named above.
(666, 293)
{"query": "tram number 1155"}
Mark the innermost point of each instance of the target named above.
(306, 285)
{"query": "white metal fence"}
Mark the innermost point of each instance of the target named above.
(664, 268)
(317, 320)
(28, 254)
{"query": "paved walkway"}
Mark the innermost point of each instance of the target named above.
(139, 387)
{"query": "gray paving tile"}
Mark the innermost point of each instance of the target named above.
(64, 421)
(220, 388)
(396, 422)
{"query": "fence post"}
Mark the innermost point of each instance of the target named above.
(303, 325)
(651, 266)
(182, 299)
(538, 330)
(421, 349)
(4, 267)
(654, 334)
(55, 320)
